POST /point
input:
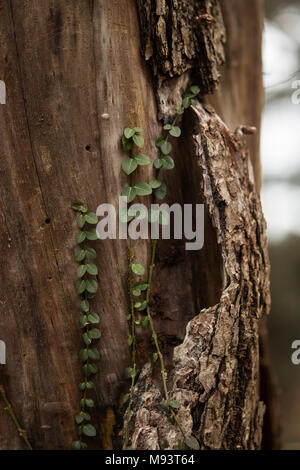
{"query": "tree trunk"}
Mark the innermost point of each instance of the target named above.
(76, 74)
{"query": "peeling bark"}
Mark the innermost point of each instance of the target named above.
(216, 368)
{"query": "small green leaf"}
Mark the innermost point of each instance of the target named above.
(128, 132)
(76, 445)
(82, 386)
(144, 321)
(192, 443)
(129, 165)
(154, 183)
(91, 286)
(128, 372)
(167, 162)
(142, 159)
(90, 253)
(84, 305)
(157, 163)
(142, 188)
(93, 318)
(91, 218)
(166, 147)
(79, 255)
(80, 220)
(81, 270)
(167, 127)
(186, 102)
(92, 369)
(89, 430)
(94, 333)
(195, 90)
(94, 354)
(89, 402)
(138, 129)
(89, 385)
(175, 131)
(138, 140)
(125, 399)
(129, 192)
(92, 269)
(80, 286)
(83, 321)
(87, 340)
(129, 340)
(161, 192)
(80, 237)
(79, 207)
(140, 305)
(141, 285)
(174, 404)
(83, 354)
(159, 141)
(155, 357)
(127, 144)
(79, 418)
(138, 269)
(91, 234)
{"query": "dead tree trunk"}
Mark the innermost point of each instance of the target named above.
(76, 74)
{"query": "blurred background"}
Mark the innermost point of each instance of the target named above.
(280, 148)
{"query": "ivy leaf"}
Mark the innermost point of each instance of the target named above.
(83, 321)
(167, 162)
(157, 163)
(140, 305)
(91, 234)
(129, 340)
(186, 102)
(155, 357)
(91, 218)
(142, 159)
(76, 445)
(92, 369)
(80, 237)
(79, 255)
(195, 90)
(142, 189)
(129, 165)
(89, 430)
(91, 286)
(79, 207)
(81, 270)
(129, 192)
(161, 192)
(80, 220)
(192, 442)
(90, 253)
(138, 269)
(166, 147)
(79, 418)
(93, 318)
(154, 183)
(92, 269)
(138, 140)
(80, 286)
(83, 354)
(175, 131)
(94, 354)
(138, 129)
(174, 404)
(89, 402)
(144, 321)
(167, 127)
(86, 339)
(125, 399)
(128, 372)
(94, 333)
(128, 132)
(127, 144)
(84, 305)
(89, 385)
(159, 141)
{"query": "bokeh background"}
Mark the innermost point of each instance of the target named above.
(280, 149)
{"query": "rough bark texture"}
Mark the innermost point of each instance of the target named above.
(216, 368)
(75, 79)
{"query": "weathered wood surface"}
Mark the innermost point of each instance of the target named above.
(67, 65)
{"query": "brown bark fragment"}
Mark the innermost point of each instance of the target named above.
(216, 368)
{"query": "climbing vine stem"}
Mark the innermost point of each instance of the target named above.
(11, 413)
(86, 287)
(158, 189)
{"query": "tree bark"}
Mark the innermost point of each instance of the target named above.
(76, 74)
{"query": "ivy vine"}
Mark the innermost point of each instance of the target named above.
(86, 287)
(131, 138)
